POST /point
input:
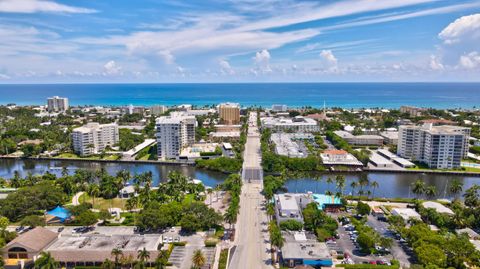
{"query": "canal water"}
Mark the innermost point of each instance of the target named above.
(160, 172)
(390, 184)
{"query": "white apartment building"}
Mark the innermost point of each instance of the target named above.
(93, 138)
(441, 147)
(298, 124)
(158, 110)
(57, 104)
(173, 133)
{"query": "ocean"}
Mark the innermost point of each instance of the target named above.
(346, 95)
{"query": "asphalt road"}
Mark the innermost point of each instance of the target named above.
(251, 239)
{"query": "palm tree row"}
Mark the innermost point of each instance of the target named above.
(362, 185)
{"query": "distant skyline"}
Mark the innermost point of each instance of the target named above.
(46, 41)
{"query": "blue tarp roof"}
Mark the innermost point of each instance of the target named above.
(60, 212)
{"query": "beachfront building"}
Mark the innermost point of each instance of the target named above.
(93, 138)
(360, 140)
(173, 133)
(279, 108)
(297, 124)
(412, 111)
(440, 147)
(158, 110)
(57, 104)
(229, 113)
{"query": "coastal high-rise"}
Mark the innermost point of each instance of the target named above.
(93, 138)
(57, 104)
(229, 113)
(173, 133)
(158, 110)
(440, 147)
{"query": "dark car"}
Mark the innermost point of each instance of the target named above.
(61, 229)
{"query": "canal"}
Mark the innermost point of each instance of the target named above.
(389, 184)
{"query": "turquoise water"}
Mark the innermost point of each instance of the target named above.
(347, 95)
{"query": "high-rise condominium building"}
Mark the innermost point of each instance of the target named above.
(173, 133)
(158, 110)
(440, 147)
(57, 104)
(229, 113)
(93, 138)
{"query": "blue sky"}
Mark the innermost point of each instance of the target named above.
(50, 41)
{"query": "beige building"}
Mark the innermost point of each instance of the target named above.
(26, 248)
(229, 113)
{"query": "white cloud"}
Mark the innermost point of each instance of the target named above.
(328, 56)
(225, 67)
(435, 63)
(4, 76)
(34, 6)
(463, 27)
(262, 61)
(470, 61)
(111, 68)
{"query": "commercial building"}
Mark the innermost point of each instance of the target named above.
(279, 108)
(229, 113)
(290, 205)
(74, 251)
(360, 140)
(173, 133)
(441, 147)
(57, 104)
(339, 157)
(301, 248)
(158, 110)
(93, 138)
(296, 124)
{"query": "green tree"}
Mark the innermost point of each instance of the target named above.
(108, 264)
(162, 260)
(86, 218)
(291, 225)
(366, 242)
(33, 221)
(431, 191)
(143, 255)
(455, 188)
(418, 187)
(94, 191)
(198, 259)
(46, 261)
(471, 196)
(431, 255)
(363, 208)
(117, 253)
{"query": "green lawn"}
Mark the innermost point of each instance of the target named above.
(96, 157)
(101, 203)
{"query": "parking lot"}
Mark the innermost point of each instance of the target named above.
(346, 244)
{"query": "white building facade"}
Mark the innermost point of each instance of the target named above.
(57, 104)
(93, 138)
(173, 133)
(440, 147)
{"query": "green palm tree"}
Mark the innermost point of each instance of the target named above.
(162, 260)
(455, 188)
(431, 191)
(353, 185)
(94, 191)
(374, 185)
(117, 253)
(340, 180)
(108, 264)
(418, 187)
(198, 259)
(143, 256)
(46, 261)
(329, 181)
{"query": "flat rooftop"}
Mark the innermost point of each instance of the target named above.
(304, 248)
(98, 247)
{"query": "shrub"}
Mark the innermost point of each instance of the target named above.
(291, 225)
